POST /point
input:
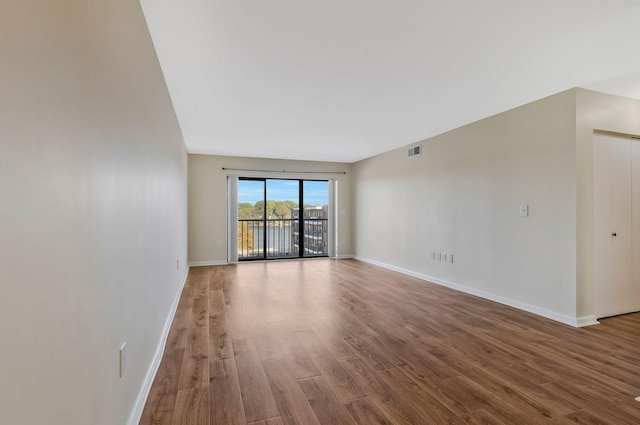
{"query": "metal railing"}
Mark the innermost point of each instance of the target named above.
(282, 238)
(315, 236)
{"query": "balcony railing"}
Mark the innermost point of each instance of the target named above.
(282, 238)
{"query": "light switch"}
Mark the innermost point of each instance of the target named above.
(524, 210)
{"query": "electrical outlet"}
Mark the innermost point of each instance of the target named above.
(123, 358)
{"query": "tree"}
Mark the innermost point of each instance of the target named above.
(245, 211)
(282, 211)
(245, 236)
(275, 209)
(290, 204)
(271, 208)
(259, 209)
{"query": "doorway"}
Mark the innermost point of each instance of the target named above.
(282, 218)
(616, 190)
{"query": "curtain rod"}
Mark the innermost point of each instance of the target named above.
(285, 171)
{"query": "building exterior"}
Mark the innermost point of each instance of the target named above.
(313, 231)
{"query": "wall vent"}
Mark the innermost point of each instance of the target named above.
(414, 151)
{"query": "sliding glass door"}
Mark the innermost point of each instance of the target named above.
(270, 225)
(251, 229)
(315, 222)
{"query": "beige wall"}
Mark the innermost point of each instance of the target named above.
(462, 196)
(208, 199)
(602, 112)
(92, 210)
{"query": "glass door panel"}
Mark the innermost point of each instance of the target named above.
(316, 218)
(282, 199)
(251, 211)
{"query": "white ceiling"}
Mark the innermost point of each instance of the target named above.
(343, 80)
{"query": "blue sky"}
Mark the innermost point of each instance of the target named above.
(315, 192)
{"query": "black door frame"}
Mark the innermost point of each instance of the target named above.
(301, 219)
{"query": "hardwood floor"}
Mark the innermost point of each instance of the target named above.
(329, 342)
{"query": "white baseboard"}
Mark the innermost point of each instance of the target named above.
(138, 407)
(562, 318)
(587, 321)
(224, 263)
(207, 263)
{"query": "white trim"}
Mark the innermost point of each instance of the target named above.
(232, 218)
(208, 263)
(562, 318)
(587, 321)
(332, 235)
(344, 257)
(141, 400)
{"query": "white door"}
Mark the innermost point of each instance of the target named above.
(616, 282)
(635, 220)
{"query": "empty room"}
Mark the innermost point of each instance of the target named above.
(295, 212)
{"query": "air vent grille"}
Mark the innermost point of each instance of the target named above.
(414, 151)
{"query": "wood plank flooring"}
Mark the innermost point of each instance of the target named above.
(329, 342)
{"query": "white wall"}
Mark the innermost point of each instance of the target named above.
(462, 196)
(208, 199)
(93, 209)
